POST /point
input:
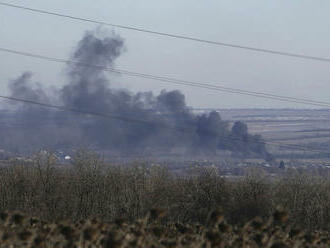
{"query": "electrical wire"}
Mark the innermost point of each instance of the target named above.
(176, 36)
(175, 80)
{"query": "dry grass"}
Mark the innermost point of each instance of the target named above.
(17, 230)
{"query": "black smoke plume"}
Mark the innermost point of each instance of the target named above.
(168, 124)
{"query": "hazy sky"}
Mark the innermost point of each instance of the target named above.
(297, 26)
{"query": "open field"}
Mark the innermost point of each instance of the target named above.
(289, 126)
(305, 127)
(281, 121)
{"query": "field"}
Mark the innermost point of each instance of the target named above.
(305, 127)
(284, 124)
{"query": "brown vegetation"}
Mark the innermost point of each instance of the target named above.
(147, 206)
(17, 230)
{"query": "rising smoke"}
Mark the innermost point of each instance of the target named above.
(171, 124)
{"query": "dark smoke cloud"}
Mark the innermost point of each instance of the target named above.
(89, 89)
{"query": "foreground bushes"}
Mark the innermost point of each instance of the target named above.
(91, 189)
(17, 230)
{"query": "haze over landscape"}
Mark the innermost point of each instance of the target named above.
(89, 89)
(164, 124)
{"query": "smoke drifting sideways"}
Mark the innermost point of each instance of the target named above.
(28, 127)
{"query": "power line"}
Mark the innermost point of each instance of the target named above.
(128, 119)
(63, 108)
(175, 80)
(176, 36)
(165, 79)
(140, 121)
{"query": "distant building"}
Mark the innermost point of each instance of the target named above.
(67, 158)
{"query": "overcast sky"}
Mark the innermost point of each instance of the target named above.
(297, 26)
